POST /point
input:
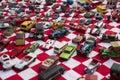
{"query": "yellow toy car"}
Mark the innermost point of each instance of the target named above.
(101, 9)
(56, 25)
(27, 25)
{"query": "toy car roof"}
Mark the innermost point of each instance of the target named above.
(115, 43)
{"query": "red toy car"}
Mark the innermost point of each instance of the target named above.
(50, 61)
(79, 28)
(16, 51)
(95, 3)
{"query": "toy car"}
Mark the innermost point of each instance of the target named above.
(69, 12)
(99, 26)
(87, 47)
(78, 39)
(16, 51)
(25, 61)
(68, 52)
(31, 48)
(89, 77)
(50, 61)
(10, 30)
(58, 48)
(48, 44)
(85, 21)
(20, 38)
(89, 14)
(98, 16)
(94, 3)
(27, 25)
(92, 67)
(56, 25)
(50, 2)
(101, 9)
(79, 28)
(109, 37)
(6, 62)
(115, 72)
(4, 43)
(4, 25)
(51, 73)
(112, 52)
(58, 33)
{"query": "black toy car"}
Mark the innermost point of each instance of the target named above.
(50, 2)
(51, 73)
(109, 37)
(85, 21)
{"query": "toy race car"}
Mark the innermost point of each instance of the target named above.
(48, 44)
(51, 73)
(6, 62)
(87, 47)
(68, 52)
(92, 67)
(50, 61)
(78, 39)
(31, 48)
(25, 61)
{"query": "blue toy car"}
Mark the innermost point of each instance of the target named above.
(58, 33)
(87, 47)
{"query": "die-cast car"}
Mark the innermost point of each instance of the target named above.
(78, 39)
(89, 77)
(10, 30)
(3, 25)
(87, 47)
(31, 48)
(6, 62)
(68, 52)
(85, 21)
(89, 14)
(109, 37)
(25, 61)
(51, 73)
(50, 61)
(92, 66)
(79, 28)
(48, 44)
(16, 51)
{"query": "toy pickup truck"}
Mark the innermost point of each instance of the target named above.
(113, 51)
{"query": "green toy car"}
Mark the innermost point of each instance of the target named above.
(112, 52)
(68, 52)
(89, 14)
(31, 48)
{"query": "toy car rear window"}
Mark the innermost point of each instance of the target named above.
(27, 58)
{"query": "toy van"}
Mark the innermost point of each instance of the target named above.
(101, 9)
(27, 25)
(20, 38)
(58, 48)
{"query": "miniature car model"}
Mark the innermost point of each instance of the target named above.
(50, 2)
(98, 16)
(64, 6)
(58, 33)
(50, 61)
(99, 26)
(10, 30)
(109, 37)
(31, 48)
(56, 25)
(79, 28)
(78, 39)
(16, 51)
(68, 52)
(112, 52)
(101, 9)
(58, 48)
(48, 44)
(85, 21)
(20, 38)
(4, 25)
(94, 3)
(25, 61)
(6, 62)
(89, 14)
(87, 47)
(115, 72)
(4, 43)
(27, 25)
(89, 77)
(92, 67)
(51, 73)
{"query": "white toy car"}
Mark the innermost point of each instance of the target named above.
(48, 44)
(26, 60)
(6, 62)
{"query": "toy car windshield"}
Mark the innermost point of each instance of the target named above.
(48, 62)
(27, 58)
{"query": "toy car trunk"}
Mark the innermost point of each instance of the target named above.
(115, 72)
(20, 38)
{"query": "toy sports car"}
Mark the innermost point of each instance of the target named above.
(51, 73)
(109, 37)
(26, 60)
(79, 28)
(50, 61)
(6, 62)
(48, 44)
(31, 48)
(92, 67)
(85, 21)
(87, 47)
(78, 39)
(89, 14)
(68, 52)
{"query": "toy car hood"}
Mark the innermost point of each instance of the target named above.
(7, 64)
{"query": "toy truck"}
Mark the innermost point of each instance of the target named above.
(113, 51)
